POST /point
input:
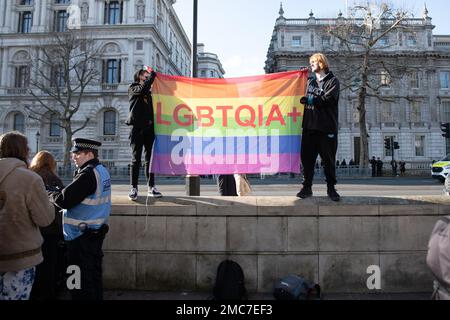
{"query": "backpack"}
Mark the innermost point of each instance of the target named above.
(438, 257)
(229, 283)
(294, 287)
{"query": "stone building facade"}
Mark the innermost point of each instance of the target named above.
(209, 65)
(422, 97)
(129, 34)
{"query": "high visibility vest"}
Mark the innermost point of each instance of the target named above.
(93, 211)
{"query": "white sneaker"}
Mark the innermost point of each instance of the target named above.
(153, 192)
(133, 195)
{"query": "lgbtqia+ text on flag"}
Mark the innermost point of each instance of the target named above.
(226, 126)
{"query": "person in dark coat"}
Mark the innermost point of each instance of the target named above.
(373, 164)
(320, 126)
(142, 134)
(50, 273)
(379, 167)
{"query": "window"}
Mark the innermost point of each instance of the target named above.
(312, 40)
(430, 39)
(107, 154)
(385, 78)
(400, 39)
(57, 79)
(111, 71)
(113, 12)
(388, 152)
(411, 40)
(384, 41)
(420, 146)
(203, 73)
(444, 79)
(355, 111)
(19, 122)
(326, 41)
(22, 77)
(414, 79)
(211, 73)
(139, 45)
(282, 40)
(386, 112)
(416, 115)
(26, 2)
(62, 1)
(55, 129)
(61, 17)
(109, 123)
(446, 108)
(296, 41)
(25, 22)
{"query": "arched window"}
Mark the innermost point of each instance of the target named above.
(55, 129)
(19, 122)
(109, 123)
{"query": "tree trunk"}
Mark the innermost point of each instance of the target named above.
(364, 143)
(67, 147)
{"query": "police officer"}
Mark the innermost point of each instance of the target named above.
(86, 204)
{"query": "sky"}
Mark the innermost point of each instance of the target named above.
(239, 31)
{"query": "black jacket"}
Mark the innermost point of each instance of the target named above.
(141, 106)
(84, 184)
(322, 114)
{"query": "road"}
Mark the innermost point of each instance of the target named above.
(284, 186)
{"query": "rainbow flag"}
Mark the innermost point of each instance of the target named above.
(226, 126)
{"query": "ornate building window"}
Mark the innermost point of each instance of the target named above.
(22, 79)
(296, 41)
(26, 2)
(111, 71)
(57, 79)
(386, 112)
(109, 123)
(25, 22)
(414, 77)
(113, 12)
(55, 128)
(444, 79)
(19, 122)
(420, 146)
(416, 114)
(60, 21)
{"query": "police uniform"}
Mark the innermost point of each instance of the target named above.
(86, 204)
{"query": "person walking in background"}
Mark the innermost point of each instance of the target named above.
(379, 167)
(24, 207)
(142, 134)
(87, 206)
(373, 164)
(50, 273)
(402, 165)
(320, 126)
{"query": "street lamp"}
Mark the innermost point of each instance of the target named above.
(193, 182)
(38, 135)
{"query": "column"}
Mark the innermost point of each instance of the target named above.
(131, 11)
(45, 23)
(36, 16)
(125, 12)
(4, 67)
(2, 14)
(91, 14)
(8, 13)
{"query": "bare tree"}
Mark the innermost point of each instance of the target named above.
(64, 69)
(364, 62)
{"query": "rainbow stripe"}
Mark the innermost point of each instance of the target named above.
(225, 126)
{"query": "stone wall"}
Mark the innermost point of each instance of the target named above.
(176, 243)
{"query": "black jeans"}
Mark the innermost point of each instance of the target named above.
(141, 138)
(227, 185)
(86, 253)
(316, 143)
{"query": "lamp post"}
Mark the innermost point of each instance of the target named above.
(193, 182)
(38, 135)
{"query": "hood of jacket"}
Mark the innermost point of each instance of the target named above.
(7, 165)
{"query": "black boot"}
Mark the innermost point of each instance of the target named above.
(332, 194)
(306, 192)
